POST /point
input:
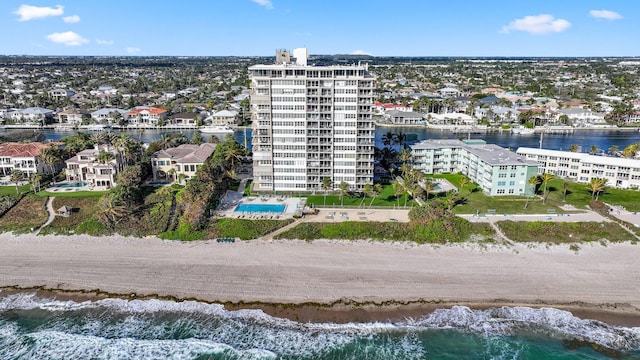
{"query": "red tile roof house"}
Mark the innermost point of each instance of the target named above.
(146, 116)
(23, 157)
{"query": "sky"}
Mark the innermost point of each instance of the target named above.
(375, 27)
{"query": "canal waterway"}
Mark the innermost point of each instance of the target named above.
(603, 139)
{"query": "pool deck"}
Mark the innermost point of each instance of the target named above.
(232, 199)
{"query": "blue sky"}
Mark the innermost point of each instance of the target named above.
(381, 28)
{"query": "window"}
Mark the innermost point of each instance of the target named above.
(500, 191)
(512, 183)
(502, 183)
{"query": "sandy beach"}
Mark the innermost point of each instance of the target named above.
(597, 278)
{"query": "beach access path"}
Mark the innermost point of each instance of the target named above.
(325, 271)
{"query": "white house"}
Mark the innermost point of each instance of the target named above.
(223, 117)
(108, 115)
(23, 157)
(85, 167)
(146, 116)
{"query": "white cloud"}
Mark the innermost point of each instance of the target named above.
(605, 14)
(71, 19)
(265, 3)
(104, 42)
(28, 12)
(537, 24)
(68, 38)
(360, 52)
(133, 50)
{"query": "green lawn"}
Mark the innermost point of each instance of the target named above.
(578, 195)
(386, 198)
(11, 189)
(72, 194)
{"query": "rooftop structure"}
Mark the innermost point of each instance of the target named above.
(180, 162)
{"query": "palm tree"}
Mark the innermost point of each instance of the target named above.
(464, 181)
(327, 185)
(344, 190)
(35, 180)
(181, 177)
(233, 157)
(565, 190)
(405, 156)
(366, 191)
(573, 148)
(545, 179)
(405, 169)
(110, 210)
(596, 186)
(377, 190)
(429, 187)
(51, 157)
(16, 177)
(450, 199)
(398, 189)
(594, 150)
(172, 173)
(105, 157)
(534, 181)
(387, 138)
(613, 149)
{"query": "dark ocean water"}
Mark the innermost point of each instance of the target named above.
(41, 328)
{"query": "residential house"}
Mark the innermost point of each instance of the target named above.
(449, 92)
(581, 116)
(85, 167)
(223, 117)
(72, 117)
(496, 170)
(146, 116)
(404, 117)
(581, 167)
(170, 164)
(108, 116)
(22, 156)
(185, 119)
(58, 94)
(34, 116)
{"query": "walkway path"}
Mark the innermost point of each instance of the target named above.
(51, 212)
(273, 234)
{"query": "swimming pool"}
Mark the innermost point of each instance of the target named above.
(72, 185)
(273, 208)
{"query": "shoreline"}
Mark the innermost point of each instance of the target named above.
(342, 313)
(329, 280)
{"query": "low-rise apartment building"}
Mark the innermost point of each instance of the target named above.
(87, 167)
(622, 173)
(169, 164)
(496, 170)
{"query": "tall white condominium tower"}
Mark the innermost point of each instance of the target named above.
(310, 123)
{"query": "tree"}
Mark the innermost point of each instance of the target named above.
(366, 191)
(398, 189)
(110, 210)
(16, 177)
(574, 148)
(405, 156)
(545, 179)
(564, 119)
(464, 181)
(594, 150)
(327, 185)
(631, 151)
(429, 187)
(181, 177)
(534, 181)
(51, 157)
(344, 190)
(613, 149)
(197, 138)
(233, 157)
(387, 138)
(597, 186)
(565, 190)
(377, 190)
(105, 157)
(35, 180)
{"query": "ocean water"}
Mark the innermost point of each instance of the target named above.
(33, 327)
